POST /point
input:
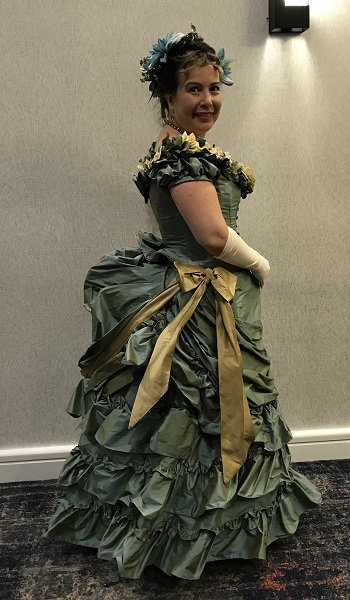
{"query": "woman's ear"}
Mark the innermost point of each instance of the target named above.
(170, 100)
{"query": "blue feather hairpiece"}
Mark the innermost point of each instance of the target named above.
(151, 64)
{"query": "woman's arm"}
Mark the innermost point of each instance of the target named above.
(198, 203)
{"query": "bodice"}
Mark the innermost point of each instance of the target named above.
(179, 242)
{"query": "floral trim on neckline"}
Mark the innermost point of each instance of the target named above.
(192, 145)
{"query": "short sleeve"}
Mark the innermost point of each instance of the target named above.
(177, 161)
(181, 168)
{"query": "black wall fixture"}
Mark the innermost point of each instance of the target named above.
(288, 17)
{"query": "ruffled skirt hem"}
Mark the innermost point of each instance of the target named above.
(176, 550)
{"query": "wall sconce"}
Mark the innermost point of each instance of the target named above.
(288, 16)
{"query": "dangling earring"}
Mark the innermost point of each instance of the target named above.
(171, 119)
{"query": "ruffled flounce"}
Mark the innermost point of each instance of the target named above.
(179, 163)
(154, 494)
(165, 512)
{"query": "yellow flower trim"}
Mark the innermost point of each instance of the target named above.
(191, 145)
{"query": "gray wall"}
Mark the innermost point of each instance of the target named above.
(74, 120)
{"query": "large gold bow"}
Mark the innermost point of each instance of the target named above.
(237, 431)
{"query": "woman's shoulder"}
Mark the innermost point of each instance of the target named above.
(173, 159)
(189, 145)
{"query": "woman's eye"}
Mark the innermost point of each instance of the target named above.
(195, 89)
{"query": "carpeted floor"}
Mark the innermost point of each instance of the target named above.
(311, 565)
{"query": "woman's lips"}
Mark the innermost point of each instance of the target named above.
(204, 115)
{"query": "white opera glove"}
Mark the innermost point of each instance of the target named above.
(238, 253)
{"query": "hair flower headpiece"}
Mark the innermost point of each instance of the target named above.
(226, 67)
(158, 54)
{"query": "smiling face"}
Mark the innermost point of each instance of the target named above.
(197, 102)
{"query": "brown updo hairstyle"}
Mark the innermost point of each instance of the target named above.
(188, 51)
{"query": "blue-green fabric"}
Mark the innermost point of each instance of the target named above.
(154, 494)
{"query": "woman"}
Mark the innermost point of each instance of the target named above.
(183, 456)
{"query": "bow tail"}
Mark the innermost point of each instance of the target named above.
(155, 381)
(237, 431)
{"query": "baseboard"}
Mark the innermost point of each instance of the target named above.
(41, 463)
(32, 464)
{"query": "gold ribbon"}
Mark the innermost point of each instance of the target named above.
(237, 431)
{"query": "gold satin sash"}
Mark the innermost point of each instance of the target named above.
(237, 431)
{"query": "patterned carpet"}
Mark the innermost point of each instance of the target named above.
(311, 565)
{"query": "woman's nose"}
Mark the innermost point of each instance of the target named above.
(206, 97)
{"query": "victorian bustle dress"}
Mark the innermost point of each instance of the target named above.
(183, 455)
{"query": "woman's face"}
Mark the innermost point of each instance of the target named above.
(197, 102)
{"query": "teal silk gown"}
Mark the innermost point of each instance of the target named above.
(154, 494)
